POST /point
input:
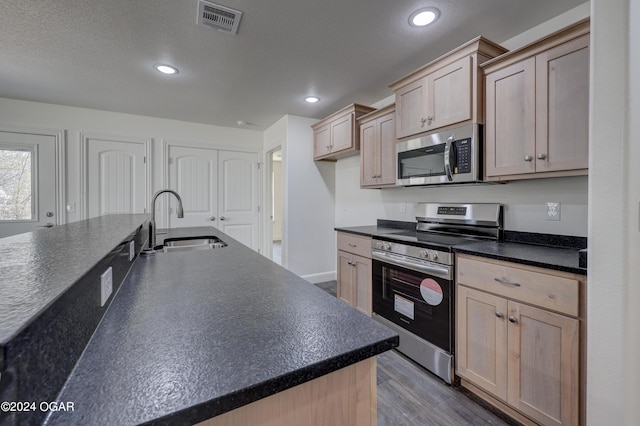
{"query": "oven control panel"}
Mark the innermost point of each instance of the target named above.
(437, 256)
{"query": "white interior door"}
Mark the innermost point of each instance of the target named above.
(238, 207)
(193, 175)
(27, 182)
(116, 173)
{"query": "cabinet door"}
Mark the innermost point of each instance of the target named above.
(562, 107)
(322, 141)
(345, 288)
(543, 364)
(510, 124)
(387, 131)
(369, 154)
(362, 283)
(411, 109)
(482, 340)
(342, 133)
(449, 94)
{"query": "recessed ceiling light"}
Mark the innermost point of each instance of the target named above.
(166, 69)
(312, 99)
(425, 16)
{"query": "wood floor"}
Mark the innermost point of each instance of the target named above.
(409, 395)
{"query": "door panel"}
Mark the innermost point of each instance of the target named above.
(116, 177)
(450, 94)
(387, 130)
(562, 97)
(27, 182)
(193, 175)
(511, 117)
(238, 196)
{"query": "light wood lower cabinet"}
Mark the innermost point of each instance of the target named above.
(526, 357)
(354, 271)
(345, 397)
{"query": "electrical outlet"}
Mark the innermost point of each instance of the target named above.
(553, 211)
(132, 250)
(106, 285)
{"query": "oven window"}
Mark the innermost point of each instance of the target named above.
(417, 302)
(421, 162)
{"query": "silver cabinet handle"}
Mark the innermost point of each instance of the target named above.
(512, 319)
(223, 218)
(542, 156)
(212, 218)
(506, 282)
(528, 158)
(422, 121)
(353, 245)
(499, 314)
(429, 119)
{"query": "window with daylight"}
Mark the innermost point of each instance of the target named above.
(16, 184)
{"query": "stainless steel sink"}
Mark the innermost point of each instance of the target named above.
(192, 243)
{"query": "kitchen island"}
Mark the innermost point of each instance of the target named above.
(191, 335)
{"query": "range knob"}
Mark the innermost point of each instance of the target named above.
(386, 246)
(379, 245)
(434, 255)
(424, 254)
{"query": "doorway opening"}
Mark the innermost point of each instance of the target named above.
(276, 202)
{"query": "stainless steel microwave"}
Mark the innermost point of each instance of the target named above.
(445, 157)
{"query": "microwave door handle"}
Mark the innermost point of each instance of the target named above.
(448, 154)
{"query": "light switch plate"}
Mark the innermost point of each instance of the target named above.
(553, 211)
(106, 286)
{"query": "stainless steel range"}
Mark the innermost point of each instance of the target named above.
(413, 278)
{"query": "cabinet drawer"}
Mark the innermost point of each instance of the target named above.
(547, 291)
(355, 244)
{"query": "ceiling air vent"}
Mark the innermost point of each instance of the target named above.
(219, 17)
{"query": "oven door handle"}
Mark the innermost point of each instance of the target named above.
(440, 272)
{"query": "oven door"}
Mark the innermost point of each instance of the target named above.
(418, 301)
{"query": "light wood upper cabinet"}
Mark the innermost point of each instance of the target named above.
(444, 92)
(338, 135)
(354, 271)
(378, 148)
(518, 337)
(537, 108)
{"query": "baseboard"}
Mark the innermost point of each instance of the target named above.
(321, 277)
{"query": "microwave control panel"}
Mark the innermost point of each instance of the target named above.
(463, 156)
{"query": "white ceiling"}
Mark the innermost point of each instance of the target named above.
(99, 53)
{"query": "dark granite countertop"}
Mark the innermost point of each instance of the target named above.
(545, 256)
(556, 258)
(38, 267)
(191, 335)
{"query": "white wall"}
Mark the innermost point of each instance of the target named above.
(309, 244)
(613, 371)
(15, 113)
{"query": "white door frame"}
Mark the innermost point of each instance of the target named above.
(267, 235)
(60, 138)
(85, 138)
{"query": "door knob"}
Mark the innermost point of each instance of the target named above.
(512, 319)
(49, 214)
(542, 156)
(212, 218)
(47, 225)
(223, 218)
(499, 314)
(528, 158)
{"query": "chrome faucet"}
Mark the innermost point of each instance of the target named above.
(152, 222)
